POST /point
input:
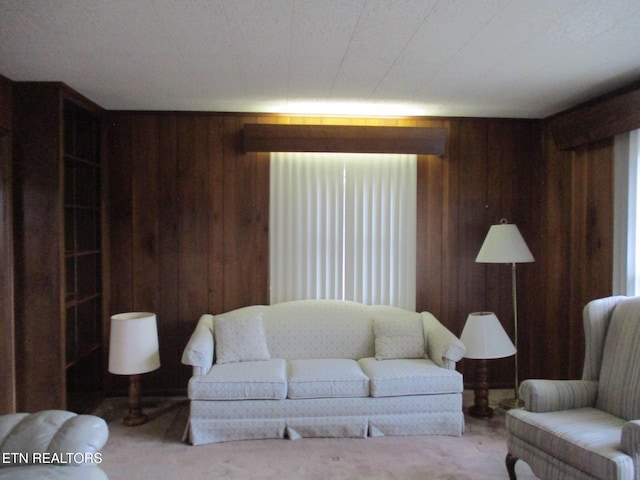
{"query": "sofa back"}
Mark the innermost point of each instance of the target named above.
(619, 382)
(320, 328)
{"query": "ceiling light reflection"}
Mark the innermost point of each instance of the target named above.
(350, 108)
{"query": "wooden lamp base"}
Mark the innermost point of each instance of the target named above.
(135, 416)
(480, 407)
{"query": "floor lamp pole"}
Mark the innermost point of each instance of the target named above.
(514, 402)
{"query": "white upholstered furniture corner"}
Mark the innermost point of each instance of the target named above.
(321, 377)
(588, 428)
(51, 444)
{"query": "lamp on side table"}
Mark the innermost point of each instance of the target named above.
(133, 350)
(484, 339)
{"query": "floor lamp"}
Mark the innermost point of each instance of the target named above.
(504, 244)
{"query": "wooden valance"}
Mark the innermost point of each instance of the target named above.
(343, 138)
(604, 117)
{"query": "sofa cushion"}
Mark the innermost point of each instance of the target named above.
(308, 329)
(241, 381)
(398, 337)
(393, 378)
(240, 339)
(586, 438)
(317, 378)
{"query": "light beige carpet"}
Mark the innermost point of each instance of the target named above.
(155, 451)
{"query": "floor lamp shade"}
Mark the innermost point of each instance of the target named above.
(504, 244)
(133, 348)
(484, 337)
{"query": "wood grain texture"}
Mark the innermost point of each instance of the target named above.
(213, 225)
(212, 215)
(343, 138)
(7, 335)
(188, 227)
(604, 117)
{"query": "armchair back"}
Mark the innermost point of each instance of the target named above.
(620, 369)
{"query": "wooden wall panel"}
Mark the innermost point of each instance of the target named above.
(216, 183)
(7, 337)
(168, 290)
(432, 212)
(205, 246)
(576, 255)
(120, 212)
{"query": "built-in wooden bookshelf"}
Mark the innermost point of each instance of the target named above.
(61, 305)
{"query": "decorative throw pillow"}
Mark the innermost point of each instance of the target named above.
(240, 339)
(397, 337)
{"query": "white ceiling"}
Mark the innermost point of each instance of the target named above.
(489, 58)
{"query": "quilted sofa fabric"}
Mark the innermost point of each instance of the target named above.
(264, 380)
(392, 378)
(322, 378)
(326, 377)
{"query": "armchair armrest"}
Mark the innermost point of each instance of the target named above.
(199, 350)
(67, 438)
(443, 347)
(631, 440)
(553, 395)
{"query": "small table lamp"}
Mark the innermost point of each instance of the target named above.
(484, 338)
(133, 351)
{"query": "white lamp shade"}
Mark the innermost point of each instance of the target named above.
(133, 348)
(484, 337)
(504, 244)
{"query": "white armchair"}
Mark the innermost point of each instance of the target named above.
(51, 444)
(589, 428)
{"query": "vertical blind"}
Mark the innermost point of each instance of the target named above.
(343, 226)
(626, 224)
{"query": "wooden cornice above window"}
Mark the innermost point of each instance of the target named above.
(343, 138)
(604, 117)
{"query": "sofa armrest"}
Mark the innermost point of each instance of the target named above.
(553, 395)
(443, 347)
(630, 441)
(199, 350)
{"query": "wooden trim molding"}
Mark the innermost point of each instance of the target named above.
(604, 117)
(343, 138)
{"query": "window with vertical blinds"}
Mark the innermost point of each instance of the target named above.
(343, 226)
(626, 221)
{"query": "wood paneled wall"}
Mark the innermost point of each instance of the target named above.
(188, 224)
(7, 343)
(188, 229)
(189, 219)
(576, 256)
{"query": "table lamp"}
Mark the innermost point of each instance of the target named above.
(133, 350)
(484, 338)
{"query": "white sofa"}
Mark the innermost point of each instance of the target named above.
(322, 368)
